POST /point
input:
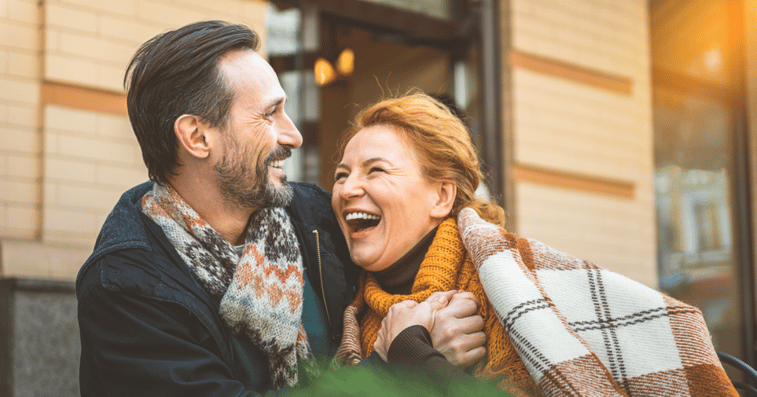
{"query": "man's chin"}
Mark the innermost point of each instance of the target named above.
(279, 194)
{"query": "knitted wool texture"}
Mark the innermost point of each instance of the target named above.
(446, 267)
(260, 292)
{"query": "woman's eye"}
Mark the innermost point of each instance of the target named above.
(375, 169)
(340, 175)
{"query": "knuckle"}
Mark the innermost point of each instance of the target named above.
(457, 347)
(470, 304)
(450, 332)
(443, 314)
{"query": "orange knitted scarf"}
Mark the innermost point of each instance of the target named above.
(446, 267)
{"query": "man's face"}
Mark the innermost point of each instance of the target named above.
(258, 135)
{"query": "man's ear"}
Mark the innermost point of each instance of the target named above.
(193, 135)
(446, 193)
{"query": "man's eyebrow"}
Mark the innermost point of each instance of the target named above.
(276, 102)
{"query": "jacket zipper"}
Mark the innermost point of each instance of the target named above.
(320, 273)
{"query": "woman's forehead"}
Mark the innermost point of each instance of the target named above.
(379, 140)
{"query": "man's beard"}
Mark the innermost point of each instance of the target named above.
(251, 190)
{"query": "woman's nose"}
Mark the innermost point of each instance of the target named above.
(351, 187)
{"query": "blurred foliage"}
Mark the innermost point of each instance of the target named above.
(371, 380)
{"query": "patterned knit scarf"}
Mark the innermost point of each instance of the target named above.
(585, 331)
(445, 267)
(260, 292)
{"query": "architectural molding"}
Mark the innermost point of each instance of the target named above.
(85, 98)
(553, 67)
(574, 181)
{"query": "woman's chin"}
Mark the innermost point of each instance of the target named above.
(371, 264)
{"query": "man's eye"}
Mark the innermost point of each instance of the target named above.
(271, 113)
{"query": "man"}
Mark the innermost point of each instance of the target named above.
(220, 278)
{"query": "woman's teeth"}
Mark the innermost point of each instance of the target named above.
(360, 215)
(359, 221)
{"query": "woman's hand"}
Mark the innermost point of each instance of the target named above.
(458, 331)
(405, 314)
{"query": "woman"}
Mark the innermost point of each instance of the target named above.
(408, 169)
(407, 172)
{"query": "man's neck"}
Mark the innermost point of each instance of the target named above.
(226, 218)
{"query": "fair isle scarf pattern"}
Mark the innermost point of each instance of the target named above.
(260, 292)
(585, 331)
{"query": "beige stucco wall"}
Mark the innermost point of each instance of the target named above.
(20, 118)
(584, 130)
(62, 169)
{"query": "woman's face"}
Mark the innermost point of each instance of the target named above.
(384, 203)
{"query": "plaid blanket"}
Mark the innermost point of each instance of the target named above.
(585, 331)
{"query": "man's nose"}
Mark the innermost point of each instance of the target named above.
(289, 136)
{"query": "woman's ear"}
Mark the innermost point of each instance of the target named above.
(192, 135)
(446, 194)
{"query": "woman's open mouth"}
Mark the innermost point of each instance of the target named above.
(361, 221)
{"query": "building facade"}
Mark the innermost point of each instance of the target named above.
(619, 131)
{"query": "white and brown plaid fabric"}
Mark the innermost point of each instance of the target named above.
(585, 331)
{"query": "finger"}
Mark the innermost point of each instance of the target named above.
(475, 340)
(470, 325)
(467, 343)
(460, 308)
(424, 314)
(409, 304)
(401, 306)
(472, 357)
(438, 303)
(377, 346)
(437, 294)
(466, 295)
(445, 295)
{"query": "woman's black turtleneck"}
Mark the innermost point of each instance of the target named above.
(398, 278)
(413, 346)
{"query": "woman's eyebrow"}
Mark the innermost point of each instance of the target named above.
(365, 163)
(374, 160)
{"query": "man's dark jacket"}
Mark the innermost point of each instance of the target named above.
(148, 328)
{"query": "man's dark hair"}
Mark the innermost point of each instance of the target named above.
(177, 73)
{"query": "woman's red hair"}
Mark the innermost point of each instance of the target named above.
(441, 142)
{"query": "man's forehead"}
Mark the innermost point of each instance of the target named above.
(247, 71)
(236, 64)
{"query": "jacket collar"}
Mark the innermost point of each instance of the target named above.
(123, 228)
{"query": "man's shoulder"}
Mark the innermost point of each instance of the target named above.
(125, 256)
(311, 204)
(127, 270)
(304, 190)
(123, 226)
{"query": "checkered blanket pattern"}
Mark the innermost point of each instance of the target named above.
(585, 331)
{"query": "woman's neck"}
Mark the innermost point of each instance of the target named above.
(399, 277)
